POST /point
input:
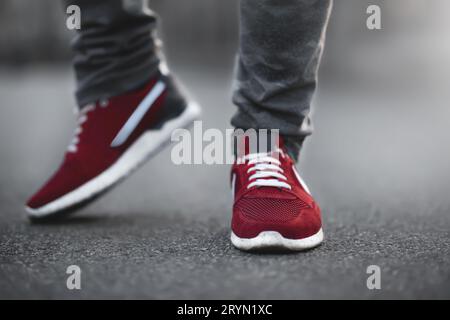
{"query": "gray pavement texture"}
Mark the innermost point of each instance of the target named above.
(378, 164)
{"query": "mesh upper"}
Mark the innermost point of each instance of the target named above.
(270, 209)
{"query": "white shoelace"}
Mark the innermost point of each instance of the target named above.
(73, 146)
(266, 166)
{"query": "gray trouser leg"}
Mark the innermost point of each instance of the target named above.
(115, 50)
(281, 42)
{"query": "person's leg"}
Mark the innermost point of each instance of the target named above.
(281, 43)
(129, 108)
(115, 50)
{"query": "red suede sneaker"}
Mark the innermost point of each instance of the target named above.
(273, 207)
(113, 138)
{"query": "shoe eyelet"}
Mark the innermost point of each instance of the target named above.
(104, 103)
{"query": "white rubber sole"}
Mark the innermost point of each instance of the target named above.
(274, 240)
(141, 150)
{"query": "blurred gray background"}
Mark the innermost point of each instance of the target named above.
(378, 163)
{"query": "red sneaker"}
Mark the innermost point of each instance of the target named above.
(272, 205)
(113, 138)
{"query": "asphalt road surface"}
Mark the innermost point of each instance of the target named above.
(378, 164)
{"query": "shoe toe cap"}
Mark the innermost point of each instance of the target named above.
(304, 223)
(66, 179)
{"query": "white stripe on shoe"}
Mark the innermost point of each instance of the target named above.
(300, 180)
(138, 114)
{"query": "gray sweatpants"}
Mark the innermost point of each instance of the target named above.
(281, 42)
